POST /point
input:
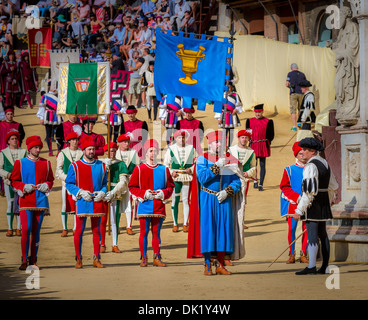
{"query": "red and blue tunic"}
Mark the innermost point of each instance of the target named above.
(89, 176)
(32, 171)
(146, 177)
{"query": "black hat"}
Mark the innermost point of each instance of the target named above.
(258, 107)
(311, 143)
(305, 84)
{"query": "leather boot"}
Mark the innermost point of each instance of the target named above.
(116, 249)
(185, 228)
(9, 233)
(228, 263)
(79, 264)
(64, 233)
(24, 265)
(97, 263)
(18, 232)
(175, 229)
(291, 259)
(221, 270)
(144, 262)
(303, 259)
(157, 261)
(129, 231)
(207, 270)
(103, 249)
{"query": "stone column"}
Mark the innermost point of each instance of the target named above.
(348, 231)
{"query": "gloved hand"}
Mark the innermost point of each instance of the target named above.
(86, 195)
(159, 195)
(148, 195)
(28, 188)
(221, 196)
(43, 187)
(220, 162)
(99, 196)
(110, 196)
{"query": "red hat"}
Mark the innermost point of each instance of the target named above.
(113, 145)
(123, 137)
(34, 141)
(12, 132)
(296, 148)
(181, 133)
(214, 136)
(245, 133)
(7, 109)
(151, 143)
(189, 110)
(87, 142)
(131, 109)
(71, 135)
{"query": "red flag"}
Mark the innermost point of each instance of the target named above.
(118, 83)
(39, 44)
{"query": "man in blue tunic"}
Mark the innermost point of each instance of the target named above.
(213, 225)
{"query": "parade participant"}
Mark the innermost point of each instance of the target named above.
(291, 191)
(170, 113)
(28, 79)
(245, 156)
(194, 127)
(73, 124)
(180, 158)
(87, 182)
(7, 158)
(229, 119)
(136, 129)
(296, 95)
(88, 123)
(9, 124)
(262, 136)
(307, 107)
(119, 185)
(32, 178)
(10, 79)
(64, 159)
(215, 193)
(319, 188)
(131, 160)
(116, 117)
(151, 184)
(48, 116)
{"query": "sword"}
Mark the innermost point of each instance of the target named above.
(288, 141)
(286, 249)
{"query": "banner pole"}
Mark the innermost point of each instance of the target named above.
(109, 175)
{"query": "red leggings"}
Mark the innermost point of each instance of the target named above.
(31, 226)
(96, 235)
(156, 224)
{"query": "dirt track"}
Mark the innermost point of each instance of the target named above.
(122, 278)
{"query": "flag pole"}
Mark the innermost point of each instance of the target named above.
(109, 175)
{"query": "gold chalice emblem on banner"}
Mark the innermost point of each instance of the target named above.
(190, 59)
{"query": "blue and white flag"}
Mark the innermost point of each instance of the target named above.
(191, 68)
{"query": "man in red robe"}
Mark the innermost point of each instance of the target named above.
(136, 129)
(73, 124)
(7, 125)
(194, 128)
(28, 79)
(262, 136)
(99, 141)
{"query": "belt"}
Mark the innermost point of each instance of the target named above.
(209, 191)
(253, 141)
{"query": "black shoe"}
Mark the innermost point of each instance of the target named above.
(260, 188)
(255, 185)
(306, 271)
(322, 270)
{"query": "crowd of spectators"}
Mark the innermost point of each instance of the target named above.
(122, 32)
(101, 28)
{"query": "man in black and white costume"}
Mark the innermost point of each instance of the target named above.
(319, 189)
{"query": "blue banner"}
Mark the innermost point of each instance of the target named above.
(191, 68)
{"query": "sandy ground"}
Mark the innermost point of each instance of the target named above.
(183, 279)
